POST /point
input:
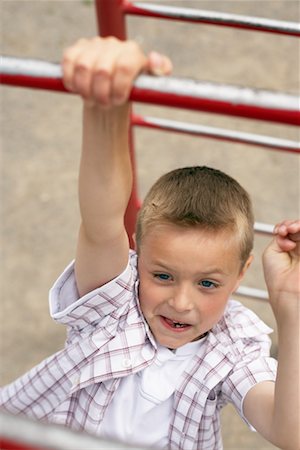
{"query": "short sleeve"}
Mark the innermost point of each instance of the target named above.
(246, 376)
(68, 308)
(251, 354)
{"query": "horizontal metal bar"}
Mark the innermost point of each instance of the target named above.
(216, 133)
(32, 73)
(258, 294)
(29, 67)
(169, 91)
(18, 430)
(263, 228)
(235, 95)
(212, 18)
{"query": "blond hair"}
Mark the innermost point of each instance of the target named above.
(201, 197)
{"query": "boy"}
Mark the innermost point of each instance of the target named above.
(155, 348)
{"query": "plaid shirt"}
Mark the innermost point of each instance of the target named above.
(108, 339)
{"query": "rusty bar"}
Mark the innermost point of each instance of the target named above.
(216, 133)
(212, 18)
(170, 91)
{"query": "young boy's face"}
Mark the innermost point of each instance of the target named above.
(186, 277)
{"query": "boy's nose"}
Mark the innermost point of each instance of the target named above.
(181, 300)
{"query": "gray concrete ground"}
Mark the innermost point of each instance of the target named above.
(41, 143)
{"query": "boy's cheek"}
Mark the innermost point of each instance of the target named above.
(146, 301)
(216, 308)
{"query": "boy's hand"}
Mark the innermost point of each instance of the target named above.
(102, 70)
(282, 271)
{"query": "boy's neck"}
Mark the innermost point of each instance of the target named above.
(198, 339)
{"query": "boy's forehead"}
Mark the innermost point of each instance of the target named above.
(190, 251)
(168, 235)
(172, 230)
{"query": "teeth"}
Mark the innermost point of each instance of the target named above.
(175, 324)
(179, 325)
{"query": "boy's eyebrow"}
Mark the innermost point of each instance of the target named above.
(162, 265)
(213, 270)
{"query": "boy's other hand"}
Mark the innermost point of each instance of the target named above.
(102, 70)
(281, 268)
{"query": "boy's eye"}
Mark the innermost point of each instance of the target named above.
(162, 276)
(207, 284)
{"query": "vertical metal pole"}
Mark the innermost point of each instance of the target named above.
(111, 22)
(110, 18)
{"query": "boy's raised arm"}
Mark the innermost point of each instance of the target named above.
(275, 410)
(102, 71)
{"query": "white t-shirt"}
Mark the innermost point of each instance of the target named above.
(141, 410)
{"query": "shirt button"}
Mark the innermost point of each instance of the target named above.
(126, 363)
(147, 353)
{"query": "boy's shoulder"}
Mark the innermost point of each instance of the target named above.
(241, 323)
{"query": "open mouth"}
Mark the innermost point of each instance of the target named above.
(174, 325)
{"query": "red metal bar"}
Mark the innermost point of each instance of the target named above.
(22, 433)
(56, 85)
(169, 91)
(110, 18)
(220, 105)
(9, 444)
(33, 82)
(193, 15)
(111, 22)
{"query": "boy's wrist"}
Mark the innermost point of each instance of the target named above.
(286, 308)
(111, 123)
(95, 108)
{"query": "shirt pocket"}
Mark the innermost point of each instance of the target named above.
(211, 404)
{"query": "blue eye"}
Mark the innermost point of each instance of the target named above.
(162, 276)
(208, 284)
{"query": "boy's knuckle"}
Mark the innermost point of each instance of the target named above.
(102, 73)
(81, 68)
(133, 45)
(123, 69)
(97, 42)
(107, 42)
(120, 95)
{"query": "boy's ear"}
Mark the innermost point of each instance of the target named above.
(246, 265)
(243, 271)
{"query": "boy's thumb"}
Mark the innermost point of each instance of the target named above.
(159, 64)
